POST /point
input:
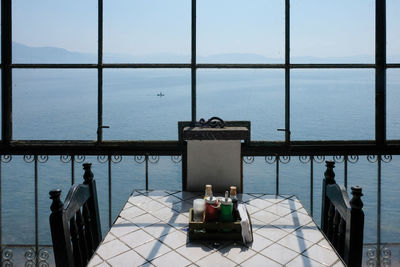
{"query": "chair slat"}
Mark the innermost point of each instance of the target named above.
(335, 232)
(76, 248)
(88, 230)
(341, 237)
(331, 215)
(82, 237)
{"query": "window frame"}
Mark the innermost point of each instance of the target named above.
(264, 147)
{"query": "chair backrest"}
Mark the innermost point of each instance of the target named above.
(212, 153)
(342, 220)
(75, 225)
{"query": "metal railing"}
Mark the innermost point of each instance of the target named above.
(377, 254)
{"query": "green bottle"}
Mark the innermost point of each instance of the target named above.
(226, 209)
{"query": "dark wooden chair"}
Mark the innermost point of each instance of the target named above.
(75, 225)
(342, 220)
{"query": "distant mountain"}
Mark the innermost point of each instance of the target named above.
(238, 57)
(331, 60)
(27, 54)
(150, 58)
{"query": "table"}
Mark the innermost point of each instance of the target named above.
(151, 230)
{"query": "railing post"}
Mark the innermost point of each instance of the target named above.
(378, 211)
(277, 176)
(36, 211)
(109, 192)
(72, 169)
(345, 171)
(312, 185)
(147, 171)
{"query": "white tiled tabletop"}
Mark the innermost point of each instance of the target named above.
(152, 229)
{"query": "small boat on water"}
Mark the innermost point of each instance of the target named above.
(160, 94)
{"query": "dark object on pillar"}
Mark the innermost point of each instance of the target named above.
(342, 220)
(75, 225)
(213, 122)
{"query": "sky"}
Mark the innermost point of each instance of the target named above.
(319, 28)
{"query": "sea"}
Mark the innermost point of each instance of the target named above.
(325, 104)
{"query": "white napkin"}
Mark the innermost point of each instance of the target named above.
(245, 224)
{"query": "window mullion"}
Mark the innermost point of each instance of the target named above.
(380, 72)
(287, 71)
(193, 61)
(6, 54)
(100, 74)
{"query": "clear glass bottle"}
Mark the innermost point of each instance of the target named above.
(233, 195)
(208, 192)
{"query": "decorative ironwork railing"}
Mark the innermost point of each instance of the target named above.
(376, 254)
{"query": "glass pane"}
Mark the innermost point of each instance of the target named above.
(392, 104)
(332, 104)
(392, 31)
(337, 31)
(54, 31)
(145, 104)
(254, 95)
(54, 104)
(137, 31)
(235, 31)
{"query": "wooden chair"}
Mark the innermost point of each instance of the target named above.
(75, 225)
(342, 221)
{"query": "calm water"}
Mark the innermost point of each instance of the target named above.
(325, 105)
